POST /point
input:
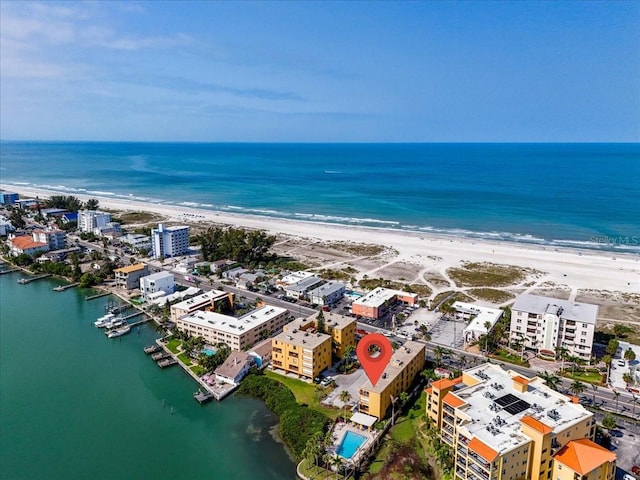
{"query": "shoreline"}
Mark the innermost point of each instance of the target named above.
(577, 268)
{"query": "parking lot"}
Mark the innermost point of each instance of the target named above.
(448, 332)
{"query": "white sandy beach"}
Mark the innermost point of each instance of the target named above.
(572, 268)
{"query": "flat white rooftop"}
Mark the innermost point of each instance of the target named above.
(378, 296)
(327, 289)
(578, 311)
(233, 325)
(482, 315)
(158, 276)
(496, 408)
(200, 299)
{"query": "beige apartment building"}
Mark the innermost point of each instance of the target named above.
(239, 333)
(301, 352)
(503, 426)
(205, 301)
(406, 363)
(341, 328)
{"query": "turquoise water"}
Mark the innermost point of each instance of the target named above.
(577, 195)
(209, 351)
(75, 404)
(350, 443)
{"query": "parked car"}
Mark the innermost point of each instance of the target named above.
(635, 470)
(626, 476)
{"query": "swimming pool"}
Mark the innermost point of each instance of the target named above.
(349, 444)
(209, 351)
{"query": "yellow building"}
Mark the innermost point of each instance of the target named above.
(405, 364)
(301, 352)
(503, 426)
(129, 277)
(341, 328)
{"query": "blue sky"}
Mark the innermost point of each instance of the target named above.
(320, 71)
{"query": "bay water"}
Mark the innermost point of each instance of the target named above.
(74, 404)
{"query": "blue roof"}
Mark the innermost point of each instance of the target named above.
(71, 217)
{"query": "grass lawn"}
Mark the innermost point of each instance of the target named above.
(305, 393)
(173, 345)
(491, 294)
(488, 275)
(198, 370)
(184, 359)
(589, 377)
(510, 357)
(317, 473)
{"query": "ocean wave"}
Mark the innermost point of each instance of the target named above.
(100, 192)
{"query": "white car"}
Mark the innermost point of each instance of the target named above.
(628, 476)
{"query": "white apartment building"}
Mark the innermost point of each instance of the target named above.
(545, 323)
(157, 282)
(169, 241)
(56, 239)
(89, 220)
(205, 301)
(238, 333)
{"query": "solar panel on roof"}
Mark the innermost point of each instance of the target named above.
(512, 404)
(507, 399)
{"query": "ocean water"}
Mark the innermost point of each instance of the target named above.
(75, 404)
(576, 195)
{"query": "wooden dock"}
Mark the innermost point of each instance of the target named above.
(167, 362)
(152, 349)
(97, 295)
(62, 288)
(11, 270)
(24, 280)
(203, 397)
(160, 355)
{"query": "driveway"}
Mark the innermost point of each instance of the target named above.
(351, 383)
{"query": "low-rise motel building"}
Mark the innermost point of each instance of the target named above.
(207, 301)
(129, 277)
(405, 365)
(503, 426)
(376, 303)
(239, 333)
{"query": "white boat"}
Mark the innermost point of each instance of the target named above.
(102, 321)
(118, 332)
(115, 323)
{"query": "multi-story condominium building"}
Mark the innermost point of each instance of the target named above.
(129, 277)
(503, 426)
(209, 301)
(405, 365)
(340, 328)
(8, 198)
(89, 220)
(239, 333)
(327, 294)
(301, 352)
(376, 303)
(137, 241)
(301, 288)
(56, 239)
(25, 244)
(169, 241)
(157, 282)
(481, 319)
(545, 324)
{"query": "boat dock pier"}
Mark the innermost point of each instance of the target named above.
(24, 280)
(152, 349)
(203, 397)
(62, 288)
(97, 295)
(11, 270)
(166, 362)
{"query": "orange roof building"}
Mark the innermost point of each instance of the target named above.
(129, 277)
(25, 244)
(584, 457)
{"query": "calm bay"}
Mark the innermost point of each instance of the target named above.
(74, 404)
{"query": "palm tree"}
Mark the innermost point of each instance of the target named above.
(336, 462)
(616, 394)
(627, 378)
(607, 359)
(345, 396)
(550, 379)
(629, 355)
(463, 361)
(595, 389)
(404, 396)
(577, 387)
(563, 353)
(438, 353)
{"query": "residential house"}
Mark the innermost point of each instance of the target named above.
(157, 282)
(129, 277)
(327, 294)
(234, 368)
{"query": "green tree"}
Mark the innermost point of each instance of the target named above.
(612, 347)
(563, 354)
(627, 378)
(616, 395)
(595, 389)
(345, 396)
(609, 422)
(15, 217)
(629, 355)
(577, 387)
(91, 204)
(320, 322)
(550, 379)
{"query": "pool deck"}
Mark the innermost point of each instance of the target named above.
(341, 429)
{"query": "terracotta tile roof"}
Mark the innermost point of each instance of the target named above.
(583, 456)
(446, 382)
(451, 399)
(25, 242)
(130, 268)
(429, 390)
(522, 380)
(482, 449)
(536, 424)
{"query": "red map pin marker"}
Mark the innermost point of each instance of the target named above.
(374, 360)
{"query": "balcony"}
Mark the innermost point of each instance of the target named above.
(478, 471)
(478, 459)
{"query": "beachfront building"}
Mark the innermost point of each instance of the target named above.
(481, 319)
(8, 198)
(327, 294)
(169, 241)
(137, 241)
(238, 333)
(207, 301)
(545, 324)
(503, 426)
(5, 226)
(340, 328)
(376, 303)
(301, 352)
(301, 288)
(25, 244)
(293, 277)
(234, 368)
(129, 277)
(405, 365)
(157, 282)
(89, 220)
(54, 238)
